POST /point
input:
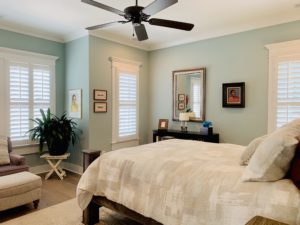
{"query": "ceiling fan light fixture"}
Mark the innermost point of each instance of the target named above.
(138, 14)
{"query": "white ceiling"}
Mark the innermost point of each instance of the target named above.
(64, 20)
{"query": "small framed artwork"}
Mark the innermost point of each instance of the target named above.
(181, 105)
(181, 97)
(100, 107)
(163, 124)
(100, 95)
(74, 106)
(234, 95)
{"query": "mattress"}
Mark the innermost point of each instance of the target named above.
(183, 182)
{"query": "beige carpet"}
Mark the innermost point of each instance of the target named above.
(67, 213)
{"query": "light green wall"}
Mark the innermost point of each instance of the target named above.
(77, 77)
(18, 41)
(101, 78)
(240, 57)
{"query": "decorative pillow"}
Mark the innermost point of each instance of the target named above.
(250, 149)
(4, 156)
(294, 172)
(272, 158)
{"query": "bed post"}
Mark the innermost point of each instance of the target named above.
(90, 215)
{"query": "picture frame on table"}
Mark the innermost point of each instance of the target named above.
(234, 95)
(163, 124)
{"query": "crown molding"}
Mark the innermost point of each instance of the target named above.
(75, 35)
(31, 32)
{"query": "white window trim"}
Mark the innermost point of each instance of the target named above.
(131, 66)
(277, 53)
(7, 55)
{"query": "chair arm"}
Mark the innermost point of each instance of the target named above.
(17, 159)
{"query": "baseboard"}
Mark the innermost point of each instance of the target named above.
(65, 165)
(72, 167)
(39, 169)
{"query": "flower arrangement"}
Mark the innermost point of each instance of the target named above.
(207, 124)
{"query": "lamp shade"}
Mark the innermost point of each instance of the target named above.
(184, 116)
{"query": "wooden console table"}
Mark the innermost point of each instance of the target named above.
(190, 135)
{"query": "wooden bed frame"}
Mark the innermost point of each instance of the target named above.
(91, 213)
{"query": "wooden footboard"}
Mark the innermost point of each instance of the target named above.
(91, 213)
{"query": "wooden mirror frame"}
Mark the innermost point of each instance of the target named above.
(202, 95)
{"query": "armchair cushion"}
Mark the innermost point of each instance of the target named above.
(16, 160)
(4, 156)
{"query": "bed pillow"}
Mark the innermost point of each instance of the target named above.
(272, 158)
(4, 156)
(250, 149)
(294, 173)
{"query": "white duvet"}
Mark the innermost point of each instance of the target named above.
(181, 182)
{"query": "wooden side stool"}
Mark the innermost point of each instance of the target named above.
(54, 161)
(259, 220)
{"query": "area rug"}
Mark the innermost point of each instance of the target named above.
(67, 213)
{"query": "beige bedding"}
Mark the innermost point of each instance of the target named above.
(181, 182)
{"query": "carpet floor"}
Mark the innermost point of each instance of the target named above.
(67, 213)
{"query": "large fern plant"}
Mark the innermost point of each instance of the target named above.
(58, 132)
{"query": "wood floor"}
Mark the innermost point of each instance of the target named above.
(54, 191)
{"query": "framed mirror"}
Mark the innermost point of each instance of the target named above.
(189, 93)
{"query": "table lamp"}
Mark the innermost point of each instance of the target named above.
(183, 118)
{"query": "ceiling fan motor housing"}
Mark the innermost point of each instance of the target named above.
(135, 14)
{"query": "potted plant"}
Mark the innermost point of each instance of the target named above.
(56, 131)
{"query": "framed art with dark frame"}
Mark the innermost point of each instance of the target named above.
(163, 124)
(100, 107)
(234, 95)
(100, 95)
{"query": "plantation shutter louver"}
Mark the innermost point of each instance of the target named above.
(19, 100)
(288, 92)
(127, 105)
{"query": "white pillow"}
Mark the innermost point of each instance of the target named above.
(250, 149)
(272, 158)
(4, 156)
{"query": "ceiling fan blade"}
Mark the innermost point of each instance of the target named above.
(158, 5)
(171, 24)
(105, 7)
(105, 25)
(140, 32)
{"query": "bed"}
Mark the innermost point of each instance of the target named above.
(183, 182)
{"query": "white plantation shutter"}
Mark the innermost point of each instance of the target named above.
(125, 100)
(284, 83)
(195, 88)
(19, 100)
(127, 105)
(288, 92)
(41, 89)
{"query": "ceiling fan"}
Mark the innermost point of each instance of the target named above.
(138, 14)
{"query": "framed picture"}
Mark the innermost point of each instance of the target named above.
(181, 105)
(163, 124)
(100, 107)
(181, 97)
(100, 95)
(74, 106)
(234, 95)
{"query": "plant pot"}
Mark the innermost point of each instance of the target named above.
(58, 147)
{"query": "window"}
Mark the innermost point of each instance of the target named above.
(284, 84)
(125, 100)
(195, 90)
(30, 81)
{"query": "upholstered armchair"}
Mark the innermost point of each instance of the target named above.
(17, 163)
